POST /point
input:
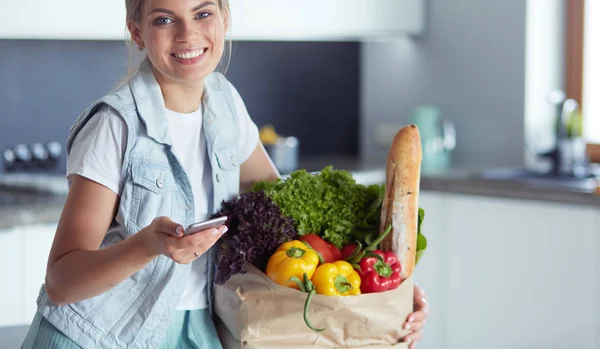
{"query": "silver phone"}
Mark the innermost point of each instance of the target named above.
(208, 224)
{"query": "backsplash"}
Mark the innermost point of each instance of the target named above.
(470, 63)
(305, 89)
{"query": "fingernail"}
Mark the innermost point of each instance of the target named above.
(408, 340)
(407, 326)
(411, 319)
(224, 230)
(215, 232)
(179, 230)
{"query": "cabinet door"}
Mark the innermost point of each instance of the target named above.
(519, 274)
(11, 274)
(63, 19)
(37, 243)
(325, 19)
(429, 271)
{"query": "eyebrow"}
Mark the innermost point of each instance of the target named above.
(202, 5)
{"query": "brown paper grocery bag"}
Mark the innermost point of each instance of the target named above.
(258, 313)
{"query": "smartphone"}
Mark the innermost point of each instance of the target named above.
(208, 224)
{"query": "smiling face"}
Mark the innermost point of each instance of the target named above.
(184, 39)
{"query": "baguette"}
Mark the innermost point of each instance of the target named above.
(401, 202)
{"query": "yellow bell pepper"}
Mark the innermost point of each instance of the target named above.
(336, 279)
(292, 258)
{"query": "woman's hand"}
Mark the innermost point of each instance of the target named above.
(416, 320)
(166, 237)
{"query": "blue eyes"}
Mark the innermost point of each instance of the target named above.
(162, 21)
(167, 20)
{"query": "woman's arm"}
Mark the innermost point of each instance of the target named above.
(76, 269)
(258, 167)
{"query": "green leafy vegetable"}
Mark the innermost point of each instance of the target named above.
(421, 240)
(256, 229)
(330, 204)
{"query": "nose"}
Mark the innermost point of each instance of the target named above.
(186, 31)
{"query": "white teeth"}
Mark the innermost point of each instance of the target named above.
(189, 55)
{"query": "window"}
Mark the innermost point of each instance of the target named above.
(583, 66)
(591, 71)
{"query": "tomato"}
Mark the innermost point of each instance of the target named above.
(327, 250)
(347, 250)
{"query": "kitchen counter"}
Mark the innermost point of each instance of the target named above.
(22, 208)
(466, 180)
(19, 208)
(469, 183)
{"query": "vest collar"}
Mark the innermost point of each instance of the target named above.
(151, 105)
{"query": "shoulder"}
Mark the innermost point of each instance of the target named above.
(109, 115)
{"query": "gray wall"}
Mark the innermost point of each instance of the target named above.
(471, 63)
(305, 89)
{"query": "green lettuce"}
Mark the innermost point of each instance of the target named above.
(329, 203)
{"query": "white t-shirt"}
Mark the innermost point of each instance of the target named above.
(98, 150)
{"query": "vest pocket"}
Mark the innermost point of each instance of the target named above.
(154, 192)
(228, 172)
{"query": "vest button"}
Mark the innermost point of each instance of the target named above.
(233, 162)
(160, 183)
(218, 177)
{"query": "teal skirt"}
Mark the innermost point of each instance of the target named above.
(190, 329)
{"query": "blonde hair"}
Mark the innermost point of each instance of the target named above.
(133, 13)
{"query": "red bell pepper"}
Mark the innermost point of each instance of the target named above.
(377, 275)
(327, 250)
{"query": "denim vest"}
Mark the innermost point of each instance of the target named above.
(137, 312)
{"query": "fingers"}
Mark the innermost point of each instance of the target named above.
(167, 226)
(419, 293)
(417, 316)
(186, 249)
(412, 339)
(420, 301)
(414, 326)
(415, 322)
(206, 237)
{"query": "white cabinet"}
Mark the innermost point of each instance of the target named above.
(504, 273)
(63, 19)
(429, 272)
(11, 271)
(23, 256)
(251, 19)
(325, 19)
(37, 244)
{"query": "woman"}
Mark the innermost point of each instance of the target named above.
(158, 153)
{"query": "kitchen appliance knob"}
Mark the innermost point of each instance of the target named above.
(39, 152)
(54, 150)
(9, 159)
(22, 152)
